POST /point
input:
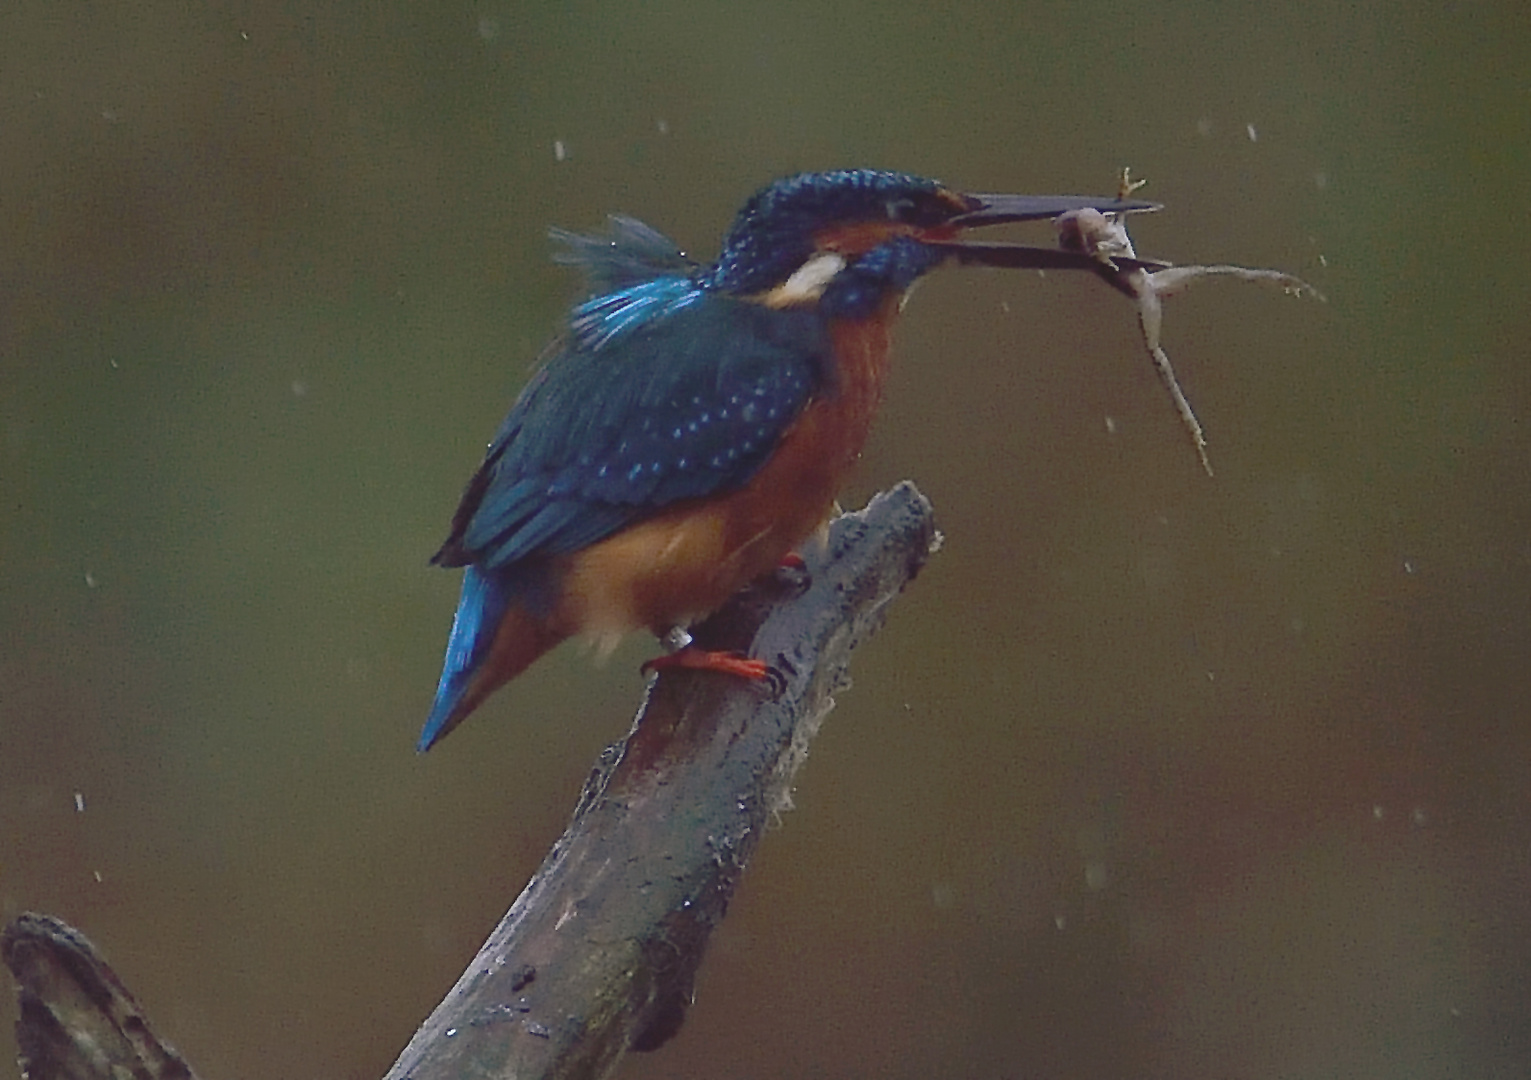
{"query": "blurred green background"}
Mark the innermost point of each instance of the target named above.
(1150, 775)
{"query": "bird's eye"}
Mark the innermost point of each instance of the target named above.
(897, 208)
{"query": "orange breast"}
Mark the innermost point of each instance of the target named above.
(683, 564)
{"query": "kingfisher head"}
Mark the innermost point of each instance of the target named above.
(839, 242)
(845, 239)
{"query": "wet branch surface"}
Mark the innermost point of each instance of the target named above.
(599, 953)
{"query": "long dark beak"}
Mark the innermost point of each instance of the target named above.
(1003, 209)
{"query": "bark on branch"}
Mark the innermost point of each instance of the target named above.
(78, 1022)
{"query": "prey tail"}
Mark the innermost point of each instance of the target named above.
(494, 639)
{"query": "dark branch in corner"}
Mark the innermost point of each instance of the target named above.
(599, 954)
(78, 1022)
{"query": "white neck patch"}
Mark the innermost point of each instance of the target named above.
(808, 281)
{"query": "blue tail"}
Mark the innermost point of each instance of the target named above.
(485, 598)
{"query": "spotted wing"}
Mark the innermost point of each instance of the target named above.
(683, 398)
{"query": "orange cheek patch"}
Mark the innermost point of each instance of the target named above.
(863, 236)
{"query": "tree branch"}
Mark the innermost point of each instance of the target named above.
(598, 954)
(78, 1022)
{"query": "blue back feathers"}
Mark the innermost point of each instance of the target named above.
(598, 320)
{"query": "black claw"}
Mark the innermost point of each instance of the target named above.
(792, 580)
(776, 679)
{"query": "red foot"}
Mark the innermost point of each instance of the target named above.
(793, 561)
(729, 663)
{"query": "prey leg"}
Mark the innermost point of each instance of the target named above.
(1104, 236)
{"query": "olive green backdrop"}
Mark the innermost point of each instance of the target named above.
(1150, 775)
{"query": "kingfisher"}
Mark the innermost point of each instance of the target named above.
(692, 425)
